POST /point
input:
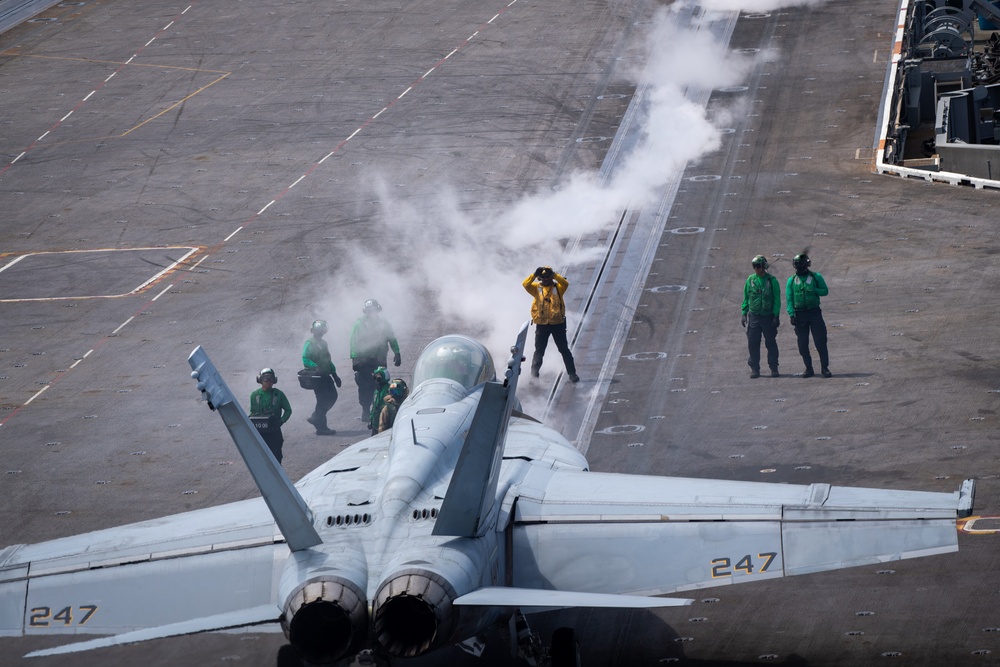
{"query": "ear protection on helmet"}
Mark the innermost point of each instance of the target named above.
(380, 375)
(372, 306)
(319, 325)
(801, 260)
(760, 260)
(267, 371)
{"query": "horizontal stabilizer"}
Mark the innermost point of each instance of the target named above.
(535, 597)
(267, 613)
(570, 525)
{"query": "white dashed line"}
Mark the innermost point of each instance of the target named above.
(165, 290)
(261, 211)
(40, 391)
(122, 325)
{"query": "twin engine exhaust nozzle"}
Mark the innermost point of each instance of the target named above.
(413, 613)
(326, 618)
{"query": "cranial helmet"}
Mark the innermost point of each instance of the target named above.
(760, 260)
(372, 306)
(801, 261)
(265, 374)
(398, 390)
(319, 326)
(380, 375)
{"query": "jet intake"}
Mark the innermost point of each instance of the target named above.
(325, 618)
(413, 613)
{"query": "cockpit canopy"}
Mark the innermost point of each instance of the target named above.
(457, 358)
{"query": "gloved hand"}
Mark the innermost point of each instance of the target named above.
(743, 320)
(792, 320)
(538, 272)
(397, 360)
(336, 380)
(776, 321)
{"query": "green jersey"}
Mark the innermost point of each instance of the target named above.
(762, 295)
(316, 354)
(270, 402)
(803, 292)
(378, 400)
(370, 337)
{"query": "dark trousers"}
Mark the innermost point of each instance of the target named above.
(558, 333)
(762, 326)
(326, 396)
(274, 441)
(363, 369)
(811, 321)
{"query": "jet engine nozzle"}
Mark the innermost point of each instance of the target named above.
(413, 613)
(325, 618)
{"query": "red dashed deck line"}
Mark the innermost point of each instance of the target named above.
(91, 93)
(214, 249)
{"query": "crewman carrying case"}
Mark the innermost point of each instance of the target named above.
(266, 424)
(308, 378)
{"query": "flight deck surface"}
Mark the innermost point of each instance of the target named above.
(221, 174)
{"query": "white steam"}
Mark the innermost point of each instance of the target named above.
(754, 6)
(471, 267)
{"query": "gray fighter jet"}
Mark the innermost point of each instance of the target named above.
(467, 513)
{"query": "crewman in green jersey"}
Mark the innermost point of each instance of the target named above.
(761, 315)
(269, 409)
(802, 293)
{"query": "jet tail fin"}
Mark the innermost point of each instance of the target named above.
(472, 490)
(237, 619)
(290, 511)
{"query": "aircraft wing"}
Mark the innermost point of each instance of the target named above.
(614, 533)
(217, 562)
(210, 569)
(205, 570)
